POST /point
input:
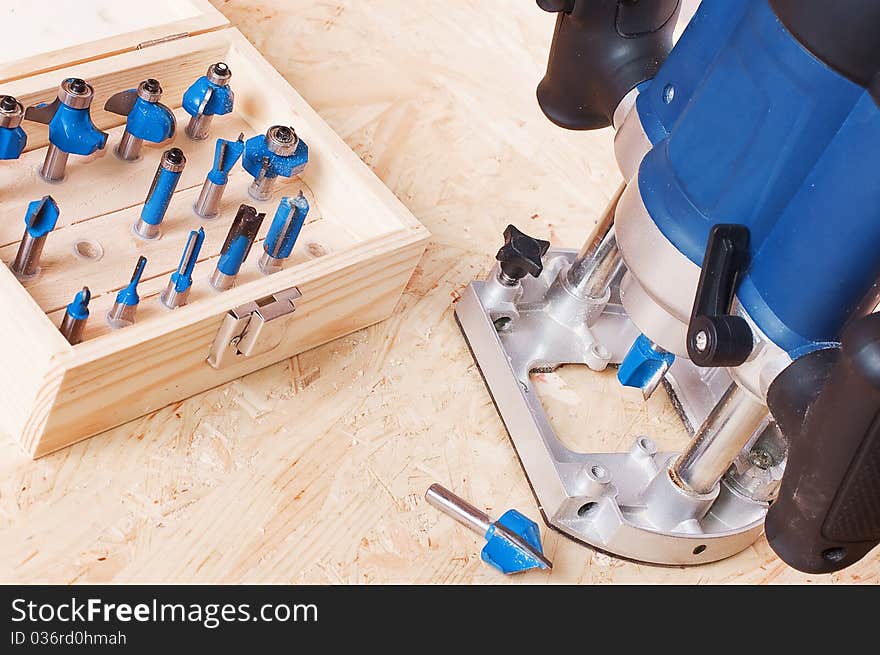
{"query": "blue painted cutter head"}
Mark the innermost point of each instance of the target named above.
(241, 237)
(79, 308)
(226, 155)
(70, 125)
(148, 119)
(513, 544)
(128, 295)
(41, 217)
(210, 95)
(286, 226)
(278, 153)
(13, 139)
(182, 277)
(643, 364)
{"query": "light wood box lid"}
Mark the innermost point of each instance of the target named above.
(41, 37)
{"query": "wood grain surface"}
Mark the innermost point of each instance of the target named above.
(314, 470)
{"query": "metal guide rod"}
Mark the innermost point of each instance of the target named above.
(599, 261)
(722, 437)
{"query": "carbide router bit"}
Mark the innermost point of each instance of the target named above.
(74, 321)
(238, 244)
(226, 154)
(513, 542)
(176, 293)
(209, 96)
(156, 205)
(148, 119)
(13, 139)
(280, 152)
(122, 314)
(285, 228)
(71, 131)
(39, 220)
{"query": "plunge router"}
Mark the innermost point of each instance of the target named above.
(738, 268)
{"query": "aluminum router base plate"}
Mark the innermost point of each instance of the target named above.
(622, 503)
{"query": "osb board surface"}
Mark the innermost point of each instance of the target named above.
(313, 470)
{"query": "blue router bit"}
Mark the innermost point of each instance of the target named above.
(122, 314)
(39, 220)
(644, 366)
(74, 321)
(159, 197)
(239, 240)
(513, 542)
(148, 119)
(13, 139)
(283, 233)
(176, 294)
(278, 153)
(71, 131)
(226, 154)
(209, 96)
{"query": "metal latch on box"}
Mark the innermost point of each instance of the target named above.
(253, 328)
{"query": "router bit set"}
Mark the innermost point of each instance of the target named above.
(277, 153)
(275, 247)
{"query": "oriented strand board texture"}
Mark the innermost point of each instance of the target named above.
(313, 470)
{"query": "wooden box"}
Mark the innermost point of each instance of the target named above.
(351, 263)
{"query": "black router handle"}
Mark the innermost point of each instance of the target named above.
(715, 336)
(827, 515)
(601, 50)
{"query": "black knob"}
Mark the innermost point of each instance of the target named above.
(521, 254)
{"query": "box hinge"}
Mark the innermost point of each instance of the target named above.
(164, 39)
(253, 329)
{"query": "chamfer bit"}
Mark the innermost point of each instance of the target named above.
(159, 197)
(176, 294)
(74, 321)
(283, 233)
(39, 220)
(241, 237)
(122, 314)
(148, 119)
(226, 155)
(513, 542)
(209, 95)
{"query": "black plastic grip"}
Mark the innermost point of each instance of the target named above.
(827, 515)
(716, 337)
(601, 50)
